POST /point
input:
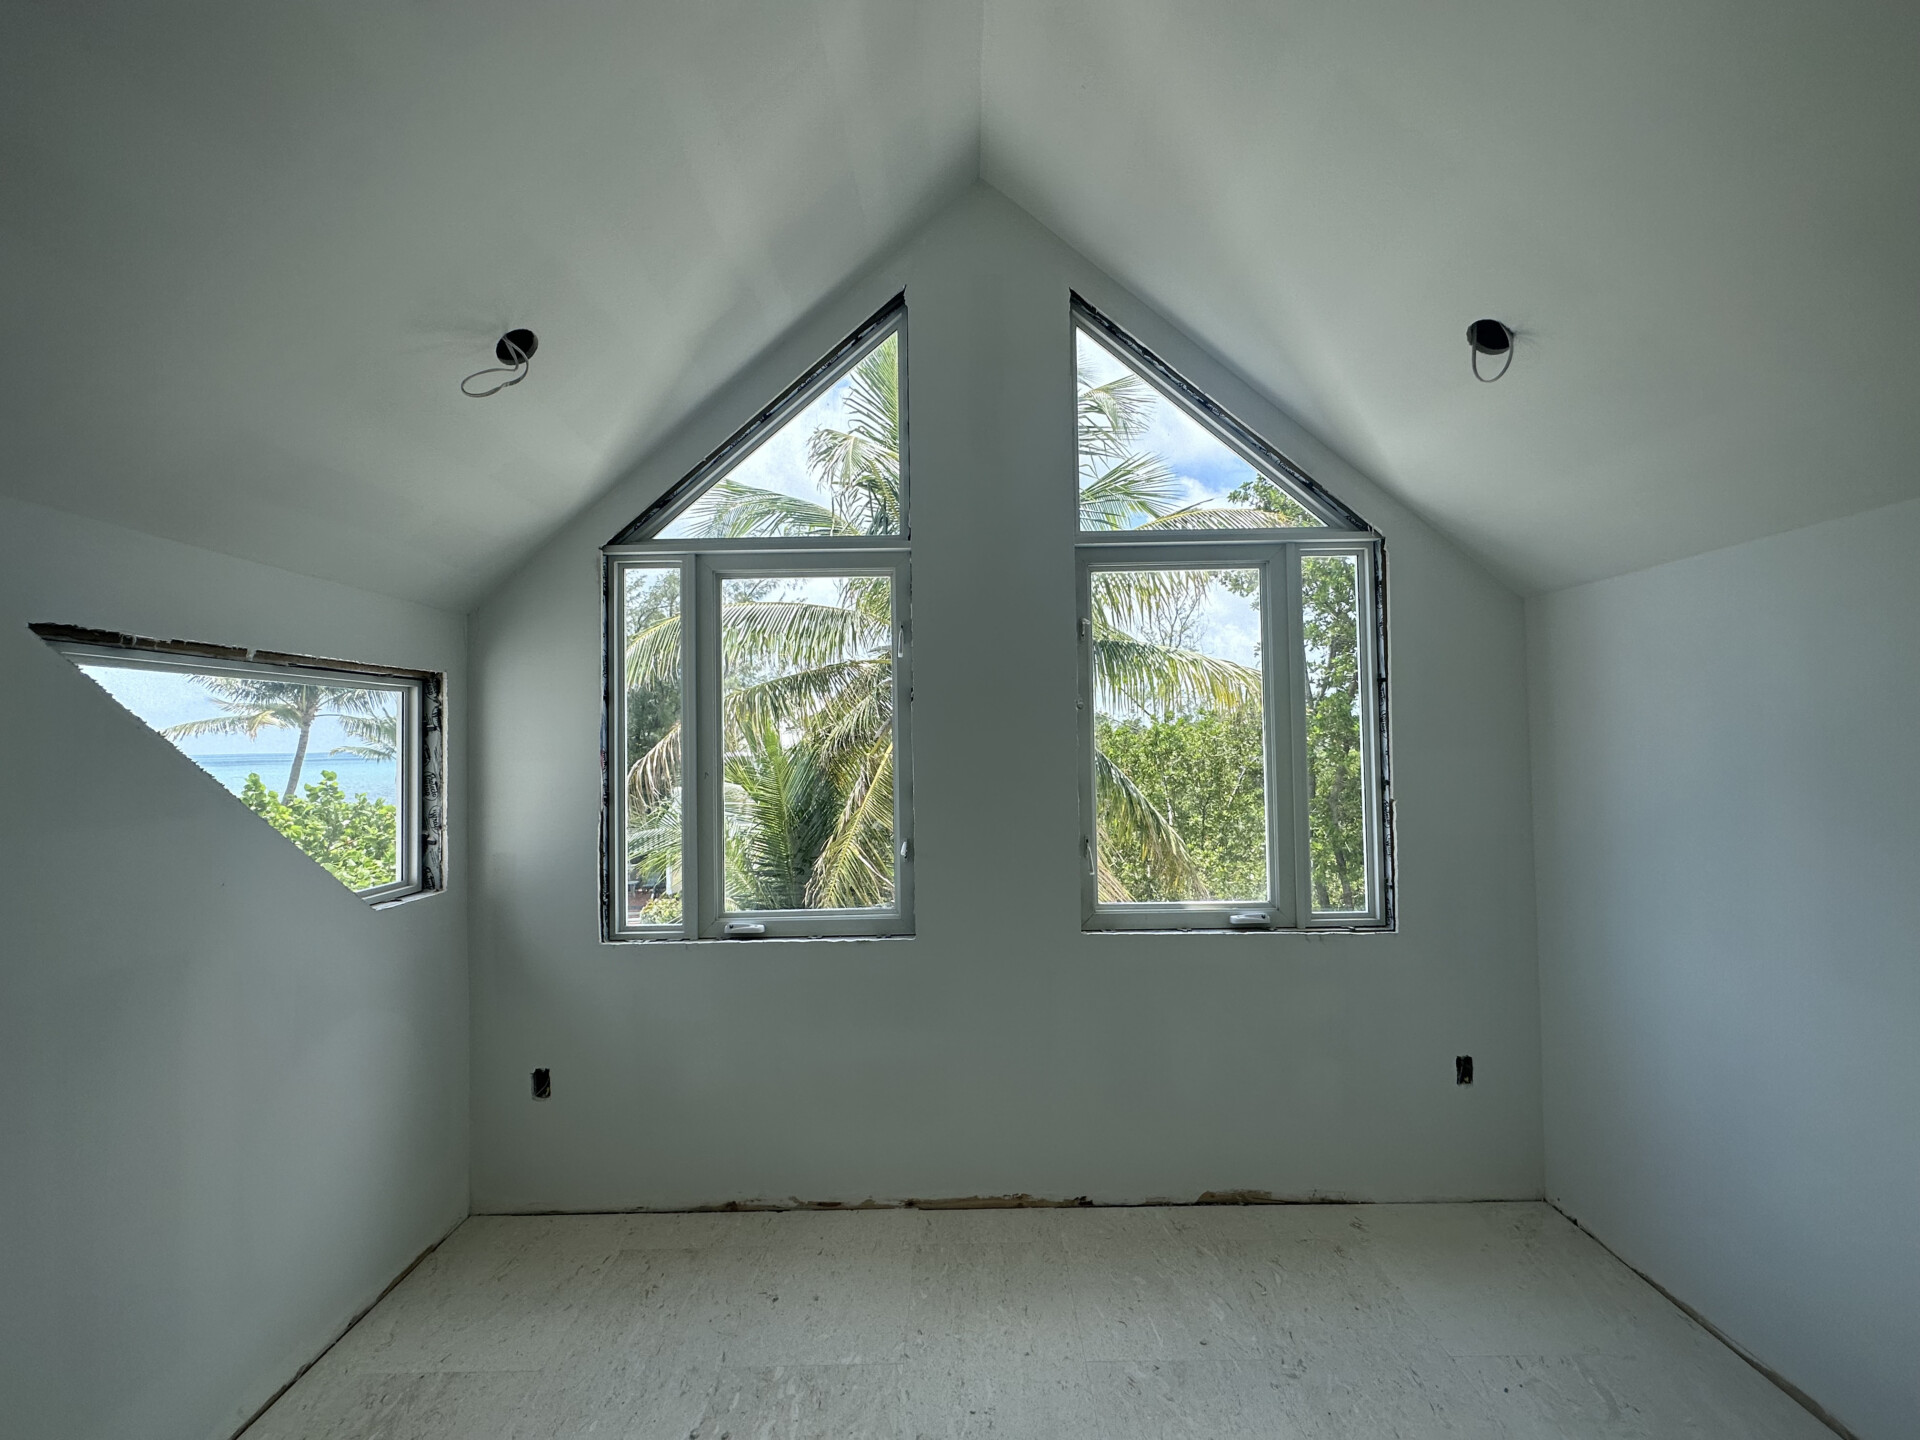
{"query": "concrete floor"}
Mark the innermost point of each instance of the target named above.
(1357, 1322)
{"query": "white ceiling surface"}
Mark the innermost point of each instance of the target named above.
(250, 250)
(1702, 218)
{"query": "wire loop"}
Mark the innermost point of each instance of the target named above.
(522, 367)
(1483, 379)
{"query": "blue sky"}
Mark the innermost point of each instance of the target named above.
(780, 461)
(166, 697)
(1205, 468)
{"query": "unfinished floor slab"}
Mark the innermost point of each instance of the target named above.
(1355, 1322)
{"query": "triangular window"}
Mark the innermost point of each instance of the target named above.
(822, 460)
(1157, 454)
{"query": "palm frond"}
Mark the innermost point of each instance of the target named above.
(1133, 600)
(1109, 418)
(1134, 490)
(653, 654)
(1129, 821)
(788, 802)
(785, 634)
(374, 737)
(855, 868)
(734, 509)
(247, 724)
(1149, 679)
(656, 775)
(1210, 516)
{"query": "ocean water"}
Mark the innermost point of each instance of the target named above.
(358, 776)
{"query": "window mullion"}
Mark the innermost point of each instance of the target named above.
(1089, 768)
(1290, 812)
(902, 676)
(619, 824)
(704, 838)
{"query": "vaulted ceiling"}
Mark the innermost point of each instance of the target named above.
(249, 250)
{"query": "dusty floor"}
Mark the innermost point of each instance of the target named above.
(1358, 1322)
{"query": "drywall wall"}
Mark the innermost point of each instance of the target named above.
(235, 1096)
(1728, 823)
(1000, 1049)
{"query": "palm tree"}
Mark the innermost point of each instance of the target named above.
(820, 674)
(249, 706)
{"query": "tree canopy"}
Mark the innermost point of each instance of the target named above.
(807, 727)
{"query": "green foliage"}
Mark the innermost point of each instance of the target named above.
(782, 807)
(354, 839)
(808, 705)
(807, 710)
(1336, 823)
(1263, 495)
(661, 910)
(249, 705)
(1204, 772)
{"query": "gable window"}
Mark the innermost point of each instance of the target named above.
(1232, 688)
(344, 761)
(757, 766)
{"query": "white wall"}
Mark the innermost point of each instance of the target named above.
(1727, 795)
(234, 1095)
(1001, 1050)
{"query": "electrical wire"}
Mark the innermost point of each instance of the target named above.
(1489, 379)
(522, 367)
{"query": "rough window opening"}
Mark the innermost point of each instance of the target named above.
(1233, 680)
(344, 760)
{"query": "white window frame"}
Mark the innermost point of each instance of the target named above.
(1276, 553)
(417, 826)
(703, 564)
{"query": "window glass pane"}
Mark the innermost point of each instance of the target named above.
(807, 719)
(1179, 762)
(1330, 616)
(832, 469)
(320, 763)
(1145, 463)
(651, 605)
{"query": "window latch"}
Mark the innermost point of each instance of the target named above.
(743, 929)
(1250, 919)
(1086, 628)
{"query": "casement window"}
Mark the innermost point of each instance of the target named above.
(342, 760)
(758, 769)
(1232, 687)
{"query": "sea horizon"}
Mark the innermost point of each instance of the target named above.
(358, 774)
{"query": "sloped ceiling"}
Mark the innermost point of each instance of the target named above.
(1702, 218)
(249, 250)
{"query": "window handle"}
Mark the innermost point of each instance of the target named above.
(1250, 919)
(743, 929)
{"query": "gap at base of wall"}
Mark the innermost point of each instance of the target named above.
(1792, 1391)
(1022, 1201)
(341, 1334)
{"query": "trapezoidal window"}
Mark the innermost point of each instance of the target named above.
(343, 761)
(1232, 688)
(757, 625)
